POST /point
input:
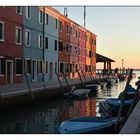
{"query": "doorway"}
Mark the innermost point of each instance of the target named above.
(51, 70)
(9, 71)
(34, 71)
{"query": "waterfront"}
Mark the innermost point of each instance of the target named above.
(44, 117)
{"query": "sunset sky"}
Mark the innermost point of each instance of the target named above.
(117, 30)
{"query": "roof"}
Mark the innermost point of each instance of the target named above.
(101, 58)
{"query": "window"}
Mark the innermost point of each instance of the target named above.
(1, 31)
(55, 23)
(94, 42)
(70, 67)
(46, 19)
(40, 17)
(40, 41)
(67, 29)
(60, 25)
(55, 67)
(18, 66)
(55, 45)
(46, 42)
(28, 66)
(46, 66)
(28, 12)
(27, 37)
(79, 34)
(18, 35)
(67, 67)
(39, 67)
(19, 9)
(76, 33)
(61, 67)
(2, 66)
(60, 46)
(67, 48)
(70, 49)
(71, 30)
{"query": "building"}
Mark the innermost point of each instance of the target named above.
(11, 45)
(36, 41)
(33, 43)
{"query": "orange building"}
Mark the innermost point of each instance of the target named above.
(90, 52)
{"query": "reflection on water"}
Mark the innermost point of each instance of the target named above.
(46, 116)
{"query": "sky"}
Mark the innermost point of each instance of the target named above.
(117, 30)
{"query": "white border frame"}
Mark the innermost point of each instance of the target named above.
(2, 40)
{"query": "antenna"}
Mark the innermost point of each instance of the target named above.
(84, 16)
(65, 11)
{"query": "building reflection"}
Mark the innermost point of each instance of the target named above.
(78, 108)
(47, 121)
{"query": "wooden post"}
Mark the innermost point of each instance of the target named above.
(66, 80)
(135, 100)
(122, 101)
(29, 87)
(59, 82)
(83, 76)
(80, 78)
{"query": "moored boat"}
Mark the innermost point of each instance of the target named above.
(89, 124)
(78, 94)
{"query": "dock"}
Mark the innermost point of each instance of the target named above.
(132, 125)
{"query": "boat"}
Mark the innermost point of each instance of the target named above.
(130, 93)
(111, 81)
(88, 125)
(103, 84)
(93, 87)
(110, 107)
(78, 94)
(122, 77)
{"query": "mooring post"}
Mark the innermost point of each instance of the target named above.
(80, 78)
(122, 101)
(66, 80)
(29, 87)
(135, 101)
(59, 82)
(84, 76)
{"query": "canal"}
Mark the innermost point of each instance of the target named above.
(44, 117)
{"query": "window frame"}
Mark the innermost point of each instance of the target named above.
(55, 45)
(40, 42)
(29, 38)
(28, 12)
(20, 13)
(17, 74)
(2, 74)
(18, 43)
(46, 19)
(46, 37)
(40, 17)
(2, 40)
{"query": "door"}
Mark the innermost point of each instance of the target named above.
(9, 72)
(34, 72)
(51, 70)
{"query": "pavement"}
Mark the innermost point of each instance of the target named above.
(19, 89)
(132, 125)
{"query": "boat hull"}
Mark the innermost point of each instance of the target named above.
(88, 125)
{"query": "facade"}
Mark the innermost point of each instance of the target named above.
(51, 42)
(64, 44)
(37, 41)
(33, 43)
(11, 50)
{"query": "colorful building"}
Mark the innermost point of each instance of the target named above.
(11, 45)
(64, 45)
(51, 42)
(37, 41)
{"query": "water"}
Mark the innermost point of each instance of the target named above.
(45, 117)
